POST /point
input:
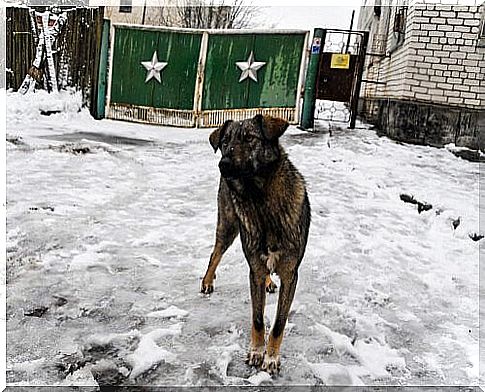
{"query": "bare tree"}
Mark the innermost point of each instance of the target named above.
(209, 14)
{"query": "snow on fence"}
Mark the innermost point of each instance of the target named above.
(76, 58)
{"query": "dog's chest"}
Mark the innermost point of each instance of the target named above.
(261, 221)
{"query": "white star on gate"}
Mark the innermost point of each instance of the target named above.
(153, 67)
(249, 68)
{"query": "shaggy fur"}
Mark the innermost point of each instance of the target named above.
(262, 197)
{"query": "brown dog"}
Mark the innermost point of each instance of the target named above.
(262, 196)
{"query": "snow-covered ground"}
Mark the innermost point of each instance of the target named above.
(105, 251)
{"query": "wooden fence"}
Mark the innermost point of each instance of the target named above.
(77, 59)
(20, 49)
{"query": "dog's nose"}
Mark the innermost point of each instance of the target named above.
(225, 165)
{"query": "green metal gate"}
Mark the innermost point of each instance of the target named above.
(187, 77)
(167, 97)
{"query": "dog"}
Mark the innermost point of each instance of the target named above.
(262, 197)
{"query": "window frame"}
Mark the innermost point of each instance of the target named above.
(481, 32)
(126, 6)
(399, 28)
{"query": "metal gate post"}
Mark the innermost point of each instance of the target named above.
(360, 68)
(103, 71)
(311, 79)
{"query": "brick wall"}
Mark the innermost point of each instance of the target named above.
(444, 63)
(433, 89)
(439, 60)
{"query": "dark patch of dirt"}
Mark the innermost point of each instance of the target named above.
(422, 206)
(74, 149)
(41, 208)
(37, 312)
(238, 368)
(67, 364)
(469, 155)
(476, 236)
(107, 373)
(98, 137)
(49, 112)
(59, 301)
(17, 140)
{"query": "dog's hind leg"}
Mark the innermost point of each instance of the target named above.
(258, 299)
(227, 230)
(271, 361)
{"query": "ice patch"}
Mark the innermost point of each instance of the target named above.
(149, 354)
(335, 374)
(225, 358)
(104, 340)
(80, 378)
(13, 238)
(153, 238)
(469, 343)
(406, 316)
(172, 330)
(341, 343)
(258, 378)
(89, 260)
(27, 366)
(377, 358)
(171, 311)
(149, 259)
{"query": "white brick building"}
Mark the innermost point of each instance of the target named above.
(149, 12)
(164, 13)
(429, 64)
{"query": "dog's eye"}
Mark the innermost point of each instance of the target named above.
(249, 138)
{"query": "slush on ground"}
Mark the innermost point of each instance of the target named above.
(110, 226)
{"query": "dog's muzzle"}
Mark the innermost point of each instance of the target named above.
(226, 168)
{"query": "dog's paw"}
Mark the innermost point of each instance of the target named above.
(271, 287)
(255, 356)
(206, 288)
(271, 364)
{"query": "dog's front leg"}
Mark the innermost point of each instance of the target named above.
(289, 278)
(257, 281)
(226, 231)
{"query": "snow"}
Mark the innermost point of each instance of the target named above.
(259, 378)
(335, 374)
(386, 295)
(170, 312)
(148, 353)
(27, 366)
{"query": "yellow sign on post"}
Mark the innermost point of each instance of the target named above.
(340, 61)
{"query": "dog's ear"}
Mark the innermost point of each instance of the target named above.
(216, 136)
(272, 127)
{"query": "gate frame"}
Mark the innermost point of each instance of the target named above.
(307, 119)
(197, 117)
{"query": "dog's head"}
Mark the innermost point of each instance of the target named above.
(250, 147)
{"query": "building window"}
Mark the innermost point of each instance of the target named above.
(482, 31)
(125, 6)
(399, 27)
(481, 36)
(377, 11)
